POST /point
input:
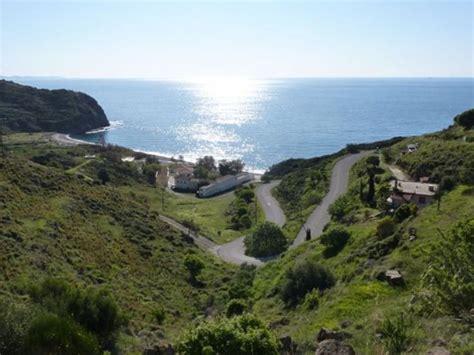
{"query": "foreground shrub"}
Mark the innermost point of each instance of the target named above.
(334, 239)
(394, 335)
(93, 309)
(303, 278)
(244, 334)
(51, 334)
(241, 283)
(449, 281)
(267, 240)
(15, 320)
(194, 265)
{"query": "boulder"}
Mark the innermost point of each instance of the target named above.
(394, 278)
(334, 347)
(345, 324)
(438, 351)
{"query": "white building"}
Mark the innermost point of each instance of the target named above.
(225, 183)
(184, 179)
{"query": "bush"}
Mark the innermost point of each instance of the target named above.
(394, 335)
(465, 119)
(340, 207)
(241, 284)
(246, 194)
(447, 183)
(235, 307)
(15, 320)
(335, 239)
(51, 334)
(303, 278)
(194, 265)
(386, 227)
(159, 315)
(403, 212)
(243, 334)
(93, 309)
(311, 300)
(245, 221)
(267, 240)
(450, 277)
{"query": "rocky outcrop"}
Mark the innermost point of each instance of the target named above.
(287, 345)
(438, 351)
(334, 347)
(325, 334)
(28, 109)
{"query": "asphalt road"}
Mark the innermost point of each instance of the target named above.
(269, 204)
(338, 186)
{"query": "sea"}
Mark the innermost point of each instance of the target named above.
(265, 121)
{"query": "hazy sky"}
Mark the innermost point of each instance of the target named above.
(156, 39)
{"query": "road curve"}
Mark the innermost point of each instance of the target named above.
(338, 186)
(271, 207)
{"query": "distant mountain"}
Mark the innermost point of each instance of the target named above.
(28, 109)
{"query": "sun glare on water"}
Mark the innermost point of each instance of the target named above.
(222, 105)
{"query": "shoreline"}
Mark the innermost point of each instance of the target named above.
(66, 140)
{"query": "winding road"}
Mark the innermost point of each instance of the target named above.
(234, 252)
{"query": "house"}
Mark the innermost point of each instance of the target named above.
(162, 176)
(412, 147)
(184, 179)
(419, 193)
(223, 184)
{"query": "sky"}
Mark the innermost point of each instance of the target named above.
(252, 39)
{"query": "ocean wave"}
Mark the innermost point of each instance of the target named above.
(113, 125)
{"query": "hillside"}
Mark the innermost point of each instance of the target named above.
(79, 221)
(27, 109)
(64, 224)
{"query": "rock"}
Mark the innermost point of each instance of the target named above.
(412, 238)
(279, 323)
(288, 346)
(325, 334)
(345, 324)
(334, 347)
(438, 351)
(394, 278)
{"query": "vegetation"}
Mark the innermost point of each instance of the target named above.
(194, 265)
(230, 167)
(304, 277)
(335, 239)
(394, 335)
(243, 334)
(243, 210)
(267, 240)
(27, 109)
(465, 119)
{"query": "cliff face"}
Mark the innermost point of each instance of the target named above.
(27, 109)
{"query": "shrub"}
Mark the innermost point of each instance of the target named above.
(447, 183)
(267, 240)
(15, 320)
(465, 119)
(340, 207)
(93, 309)
(51, 334)
(246, 194)
(103, 176)
(235, 307)
(159, 315)
(311, 300)
(394, 335)
(241, 284)
(303, 278)
(450, 277)
(386, 227)
(335, 239)
(245, 221)
(403, 212)
(194, 265)
(243, 334)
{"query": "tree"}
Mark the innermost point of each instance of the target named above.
(302, 278)
(339, 208)
(103, 176)
(194, 265)
(449, 280)
(246, 194)
(230, 167)
(267, 240)
(244, 334)
(373, 162)
(204, 167)
(149, 171)
(335, 239)
(465, 119)
(403, 212)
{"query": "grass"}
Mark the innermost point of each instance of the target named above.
(209, 214)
